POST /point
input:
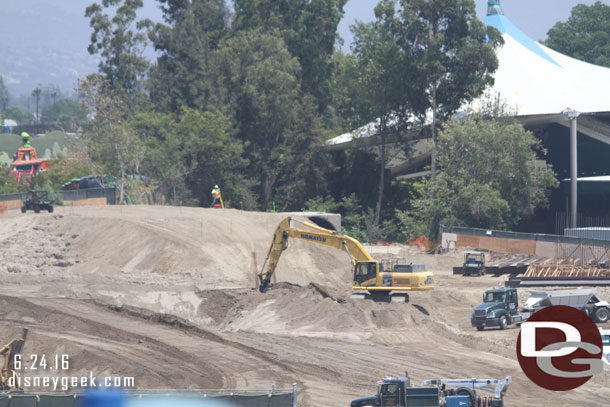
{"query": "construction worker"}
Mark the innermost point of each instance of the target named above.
(217, 198)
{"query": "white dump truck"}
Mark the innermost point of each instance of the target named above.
(500, 306)
(584, 299)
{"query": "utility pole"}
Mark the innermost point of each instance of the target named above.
(572, 115)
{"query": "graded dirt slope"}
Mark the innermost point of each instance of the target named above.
(168, 295)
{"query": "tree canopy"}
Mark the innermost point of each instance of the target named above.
(246, 96)
(120, 47)
(586, 34)
(309, 30)
(489, 176)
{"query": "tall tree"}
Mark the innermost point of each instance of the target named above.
(262, 80)
(121, 48)
(345, 90)
(309, 29)
(309, 166)
(185, 74)
(382, 68)
(4, 96)
(66, 115)
(454, 53)
(496, 181)
(112, 143)
(586, 34)
(188, 153)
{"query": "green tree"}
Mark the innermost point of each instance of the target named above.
(62, 170)
(66, 115)
(454, 55)
(112, 142)
(17, 114)
(261, 77)
(308, 164)
(382, 66)
(345, 91)
(586, 34)
(186, 73)
(8, 184)
(120, 47)
(4, 96)
(489, 177)
(189, 153)
(309, 29)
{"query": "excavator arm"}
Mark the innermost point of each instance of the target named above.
(9, 351)
(314, 234)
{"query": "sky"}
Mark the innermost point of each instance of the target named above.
(45, 41)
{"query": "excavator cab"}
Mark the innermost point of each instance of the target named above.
(365, 271)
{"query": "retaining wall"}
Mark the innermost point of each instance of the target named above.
(556, 247)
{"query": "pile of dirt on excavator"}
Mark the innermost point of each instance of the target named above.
(169, 296)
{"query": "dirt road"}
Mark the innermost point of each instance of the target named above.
(168, 295)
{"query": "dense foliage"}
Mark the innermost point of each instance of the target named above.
(246, 96)
(586, 34)
(489, 177)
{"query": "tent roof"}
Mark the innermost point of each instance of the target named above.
(536, 80)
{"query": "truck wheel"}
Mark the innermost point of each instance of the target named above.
(23, 209)
(480, 327)
(602, 314)
(37, 209)
(502, 322)
(50, 209)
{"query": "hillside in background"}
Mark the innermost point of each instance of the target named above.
(44, 43)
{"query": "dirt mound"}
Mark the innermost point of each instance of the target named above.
(39, 250)
(169, 295)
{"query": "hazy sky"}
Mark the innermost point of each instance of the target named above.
(533, 17)
(49, 38)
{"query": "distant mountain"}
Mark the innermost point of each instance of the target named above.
(45, 42)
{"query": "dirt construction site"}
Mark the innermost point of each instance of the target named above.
(169, 296)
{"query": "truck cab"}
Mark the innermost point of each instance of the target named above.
(500, 308)
(395, 391)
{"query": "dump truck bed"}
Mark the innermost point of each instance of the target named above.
(571, 298)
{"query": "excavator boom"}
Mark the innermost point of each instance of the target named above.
(9, 351)
(368, 273)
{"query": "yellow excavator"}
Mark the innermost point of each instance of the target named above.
(368, 274)
(9, 351)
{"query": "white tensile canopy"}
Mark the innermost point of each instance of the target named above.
(535, 81)
(539, 81)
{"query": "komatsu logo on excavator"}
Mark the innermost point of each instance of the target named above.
(310, 237)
